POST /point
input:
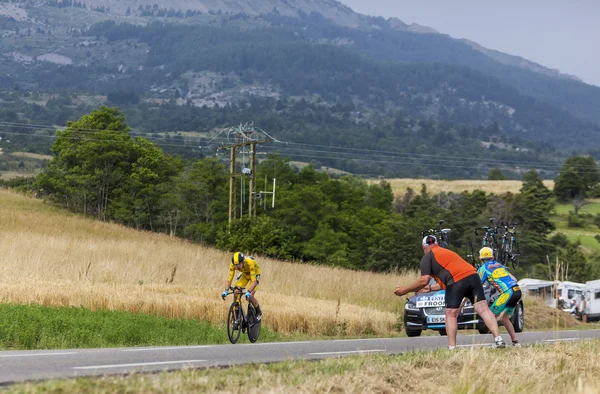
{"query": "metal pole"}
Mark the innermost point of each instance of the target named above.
(251, 183)
(273, 206)
(232, 184)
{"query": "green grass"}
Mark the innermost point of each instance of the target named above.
(27, 327)
(586, 235)
(592, 208)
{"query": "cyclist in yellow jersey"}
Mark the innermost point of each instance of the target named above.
(249, 272)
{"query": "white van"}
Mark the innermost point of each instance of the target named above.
(592, 296)
(569, 291)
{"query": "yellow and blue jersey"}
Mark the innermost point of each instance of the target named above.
(497, 275)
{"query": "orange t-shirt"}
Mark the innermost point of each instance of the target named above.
(445, 266)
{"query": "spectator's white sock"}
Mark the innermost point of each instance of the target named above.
(451, 347)
(498, 338)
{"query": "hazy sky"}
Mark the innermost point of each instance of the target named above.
(559, 34)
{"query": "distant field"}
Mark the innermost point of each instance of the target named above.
(593, 208)
(332, 171)
(29, 155)
(6, 175)
(399, 186)
(587, 234)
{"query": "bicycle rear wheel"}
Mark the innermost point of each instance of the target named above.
(502, 255)
(234, 324)
(470, 253)
(514, 254)
(253, 325)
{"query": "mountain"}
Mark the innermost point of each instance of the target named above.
(519, 61)
(331, 9)
(312, 70)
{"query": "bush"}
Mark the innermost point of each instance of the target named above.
(575, 220)
(559, 239)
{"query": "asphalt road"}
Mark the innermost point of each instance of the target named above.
(19, 366)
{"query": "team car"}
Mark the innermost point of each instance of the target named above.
(427, 311)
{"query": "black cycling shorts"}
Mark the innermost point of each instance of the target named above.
(469, 287)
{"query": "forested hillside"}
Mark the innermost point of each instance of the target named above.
(305, 78)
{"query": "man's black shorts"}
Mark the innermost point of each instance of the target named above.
(469, 287)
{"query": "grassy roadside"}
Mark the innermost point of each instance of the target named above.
(558, 368)
(29, 327)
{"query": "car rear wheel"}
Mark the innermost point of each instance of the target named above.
(518, 318)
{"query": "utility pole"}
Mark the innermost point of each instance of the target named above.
(252, 182)
(244, 136)
(232, 184)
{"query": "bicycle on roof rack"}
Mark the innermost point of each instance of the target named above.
(440, 233)
(505, 252)
(489, 239)
(509, 248)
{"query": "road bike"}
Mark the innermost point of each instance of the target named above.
(240, 321)
(509, 248)
(440, 233)
(489, 240)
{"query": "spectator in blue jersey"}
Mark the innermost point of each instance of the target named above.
(506, 284)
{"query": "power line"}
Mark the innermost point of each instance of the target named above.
(371, 153)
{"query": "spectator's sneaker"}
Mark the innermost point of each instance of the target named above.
(499, 343)
(451, 347)
(516, 344)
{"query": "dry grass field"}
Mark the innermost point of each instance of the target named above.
(54, 258)
(399, 186)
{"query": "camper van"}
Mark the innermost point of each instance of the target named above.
(592, 295)
(568, 292)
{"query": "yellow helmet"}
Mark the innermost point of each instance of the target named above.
(486, 253)
(237, 258)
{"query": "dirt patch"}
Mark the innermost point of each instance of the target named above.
(56, 59)
(11, 11)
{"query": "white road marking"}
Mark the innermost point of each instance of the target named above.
(36, 354)
(148, 349)
(140, 364)
(475, 344)
(274, 343)
(348, 352)
(561, 339)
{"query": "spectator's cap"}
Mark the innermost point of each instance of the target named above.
(486, 253)
(429, 240)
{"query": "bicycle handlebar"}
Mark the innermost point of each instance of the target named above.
(233, 288)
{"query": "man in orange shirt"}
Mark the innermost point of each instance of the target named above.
(460, 280)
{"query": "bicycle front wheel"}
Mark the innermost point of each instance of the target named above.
(253, 325)
(234, 324)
